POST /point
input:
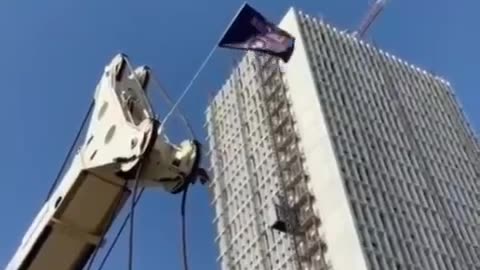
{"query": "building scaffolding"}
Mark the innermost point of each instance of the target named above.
(294, 205)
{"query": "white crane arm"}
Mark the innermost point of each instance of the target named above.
(121, 135)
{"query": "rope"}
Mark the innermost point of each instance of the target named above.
(132, 215)
(165, 95)
(110, 221)
(132, 71)
(202, 66)
(136, 198)
(134, 202)
(119, 233)
(72, 146)
(189, 86)
(184, 231)
(173, 109)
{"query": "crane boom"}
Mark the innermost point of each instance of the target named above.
(372, 14)
(121, 142)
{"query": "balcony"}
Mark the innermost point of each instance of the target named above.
(286, 158)
(307, 219)
(312, 250)
(272, 80)
(298, 195)
(271, 91)
(286, 220)
(307, 249)
(319, 263)
(283, 140)
(278, 121)
(291, 178)
(274, 104)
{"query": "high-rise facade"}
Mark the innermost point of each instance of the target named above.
(345, 158)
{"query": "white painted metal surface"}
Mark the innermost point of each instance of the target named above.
(122, 129)
(337, 220)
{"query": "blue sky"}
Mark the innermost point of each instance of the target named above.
(53, 52)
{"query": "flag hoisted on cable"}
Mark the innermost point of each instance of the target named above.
(250, 30)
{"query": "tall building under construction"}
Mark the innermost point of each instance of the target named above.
(345, 158)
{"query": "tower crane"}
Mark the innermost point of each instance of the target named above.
(122, 148)
(368, 20)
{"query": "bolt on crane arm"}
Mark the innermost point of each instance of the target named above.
(121, 143)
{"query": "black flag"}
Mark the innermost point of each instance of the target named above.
(251, 31)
